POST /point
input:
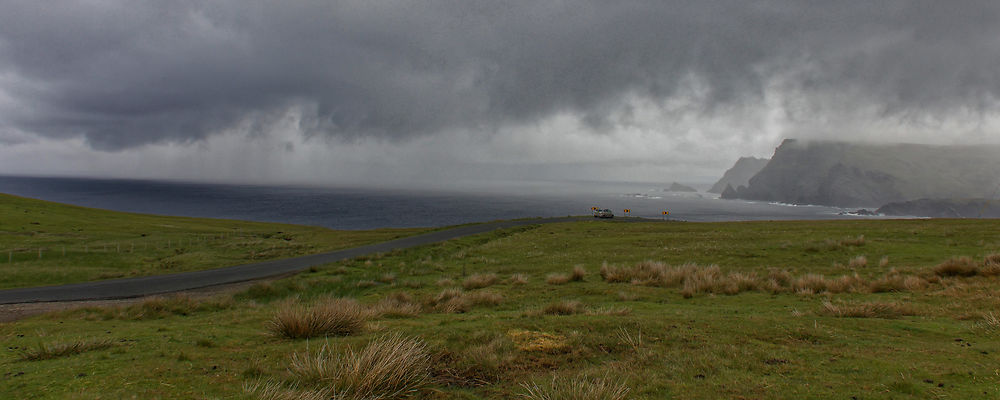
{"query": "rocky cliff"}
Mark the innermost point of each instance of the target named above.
(739, 174)
(869, 175)
(944, 208)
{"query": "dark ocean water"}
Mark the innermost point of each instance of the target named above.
(355, 208)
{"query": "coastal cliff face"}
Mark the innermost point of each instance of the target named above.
(869, 175)
(739, 174)
(947, 208)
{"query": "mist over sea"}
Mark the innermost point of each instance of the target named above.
(369, 208)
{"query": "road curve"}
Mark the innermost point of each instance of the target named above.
(159, 284)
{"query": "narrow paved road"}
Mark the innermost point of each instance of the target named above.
(159, 284)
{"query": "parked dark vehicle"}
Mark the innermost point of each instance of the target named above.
(603, 213)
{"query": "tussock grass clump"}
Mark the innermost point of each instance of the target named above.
(478, 281)
(883, 262)
(610, 311)
(577, 389)
(272, 390)
(566, 307)
(455, 300)
(855, 242)
(989, 324)
(577, 274)
(809, 283)
(858, 262)
(445, 282)
(846, 283)
(364, 284)
(332, 317)
(991, 265)
(396, 305)
(451, 300)
(57, 350)
(557, 279)
(867, 310)
(957, 266)
(485, 362)
(484, 298)
(388, 367)
(157, 307)
(518, 279)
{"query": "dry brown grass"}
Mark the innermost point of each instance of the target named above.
(990, 324)
(484, 298)
(883, 262)
(455, 300)
(858, 262)
(846, 283)
(856, 242)
(272, 390)
(991, 265)
(565, 307)
(57, 350)
(396, 305)
(388, 367)
(578, 273)
(809, 283)
(957, 266)
(451, 300)
(478, 281)
(330, 317)
(445, 282)
(576, 389)
(557, 279)
(518, 279)
(867, 310)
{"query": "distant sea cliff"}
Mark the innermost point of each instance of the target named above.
(845, 174)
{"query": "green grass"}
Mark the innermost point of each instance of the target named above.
(935, 339)
(44, 243)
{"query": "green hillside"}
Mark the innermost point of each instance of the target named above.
(45, 243)
(867, 309)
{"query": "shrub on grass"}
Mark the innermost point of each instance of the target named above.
(333, 317)
(57, 350)
(858, 262)
(566, 307)
(867, 310)
(576, 389)
(957, 266)
(884, 262)
(388, 367)
(557, 279)
(578, 273)
(477, 281)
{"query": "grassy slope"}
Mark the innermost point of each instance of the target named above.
(82, 244)
(750, 345)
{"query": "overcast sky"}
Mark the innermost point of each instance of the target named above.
(424, 92)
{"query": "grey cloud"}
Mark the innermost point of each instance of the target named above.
(124, 74)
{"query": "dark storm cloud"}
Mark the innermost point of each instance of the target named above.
(124, 74)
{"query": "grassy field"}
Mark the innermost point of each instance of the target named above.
(44, 243)
(902, 309)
